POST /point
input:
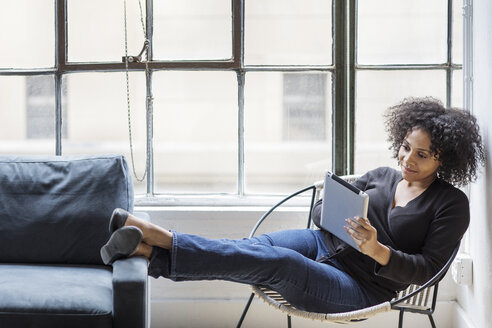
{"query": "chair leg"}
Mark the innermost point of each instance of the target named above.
(289, 322)
(246, 308)
(431, 319)
(400, 320)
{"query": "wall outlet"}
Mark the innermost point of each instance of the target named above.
(462, 270)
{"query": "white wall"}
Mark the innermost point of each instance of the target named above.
(476, 300)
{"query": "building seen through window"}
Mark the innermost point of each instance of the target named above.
(305, 112)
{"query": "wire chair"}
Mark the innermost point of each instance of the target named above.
(417, 299)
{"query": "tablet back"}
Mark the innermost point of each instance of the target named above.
(341, 201)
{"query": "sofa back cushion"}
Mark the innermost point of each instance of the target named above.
(57, 209)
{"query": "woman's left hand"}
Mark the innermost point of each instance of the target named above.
(366, 238)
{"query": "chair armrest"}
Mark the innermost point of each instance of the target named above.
(130, 290)
(434, 281)
(270, 211)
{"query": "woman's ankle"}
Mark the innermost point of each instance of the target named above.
(143, 249)
(153, 235)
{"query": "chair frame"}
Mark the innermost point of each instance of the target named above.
(414, 299)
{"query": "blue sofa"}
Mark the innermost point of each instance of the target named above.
(54, 215)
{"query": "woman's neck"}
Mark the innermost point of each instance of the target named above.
(421, 184)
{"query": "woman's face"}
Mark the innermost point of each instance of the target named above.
(417, 161)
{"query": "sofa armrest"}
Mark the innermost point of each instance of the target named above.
(130, 290)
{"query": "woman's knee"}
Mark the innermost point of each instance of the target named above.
(282, 264)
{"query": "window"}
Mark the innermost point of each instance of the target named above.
(237, 98)
(404, 48)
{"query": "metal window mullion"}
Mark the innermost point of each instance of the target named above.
(150, 134)
(26, 72)
(60, 61)
(289, 68)
(154, 65)
(241, 173)
(468, 55)
(352, 32)
(149, 99)
(58, 113)
(238, 16)
(343, 36)
(449, 69)
(390, 67)
(449, 86)
(338, 83)
(238, 33)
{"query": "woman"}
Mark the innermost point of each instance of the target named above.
(415, 219)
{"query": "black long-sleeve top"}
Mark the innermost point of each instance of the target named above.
(421, 235)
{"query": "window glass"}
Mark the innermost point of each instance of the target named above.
(22, 104)
(457, 31)
(457, 89)
(304, 106)
(195, 132)
(192, 29)
(96, 30)
(97, 117)
(288, 32)
(378, 90)
(28, 34)
(40, 107)
(287, 130)
(402, 31)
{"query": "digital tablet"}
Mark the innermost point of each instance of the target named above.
(341, 201)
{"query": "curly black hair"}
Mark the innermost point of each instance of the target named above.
(455, 136)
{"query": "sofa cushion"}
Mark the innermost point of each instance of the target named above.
(56, 209)
(55, 296)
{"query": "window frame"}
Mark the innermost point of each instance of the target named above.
(343, 71)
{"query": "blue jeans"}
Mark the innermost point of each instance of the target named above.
(284, 261)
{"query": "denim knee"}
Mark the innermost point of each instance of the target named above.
(278, 266)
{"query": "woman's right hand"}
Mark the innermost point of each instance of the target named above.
(366, 238)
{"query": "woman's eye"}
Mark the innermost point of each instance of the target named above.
(422, 155)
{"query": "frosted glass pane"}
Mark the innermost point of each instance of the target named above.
(457, 89)
(96, 30)
(288, 32)
(378, 90)
(97, 117)
(287, 130)
(402, 31)
(458, 31)
(192, 29)
(27, 115)
(195, 132)
(27, 34)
